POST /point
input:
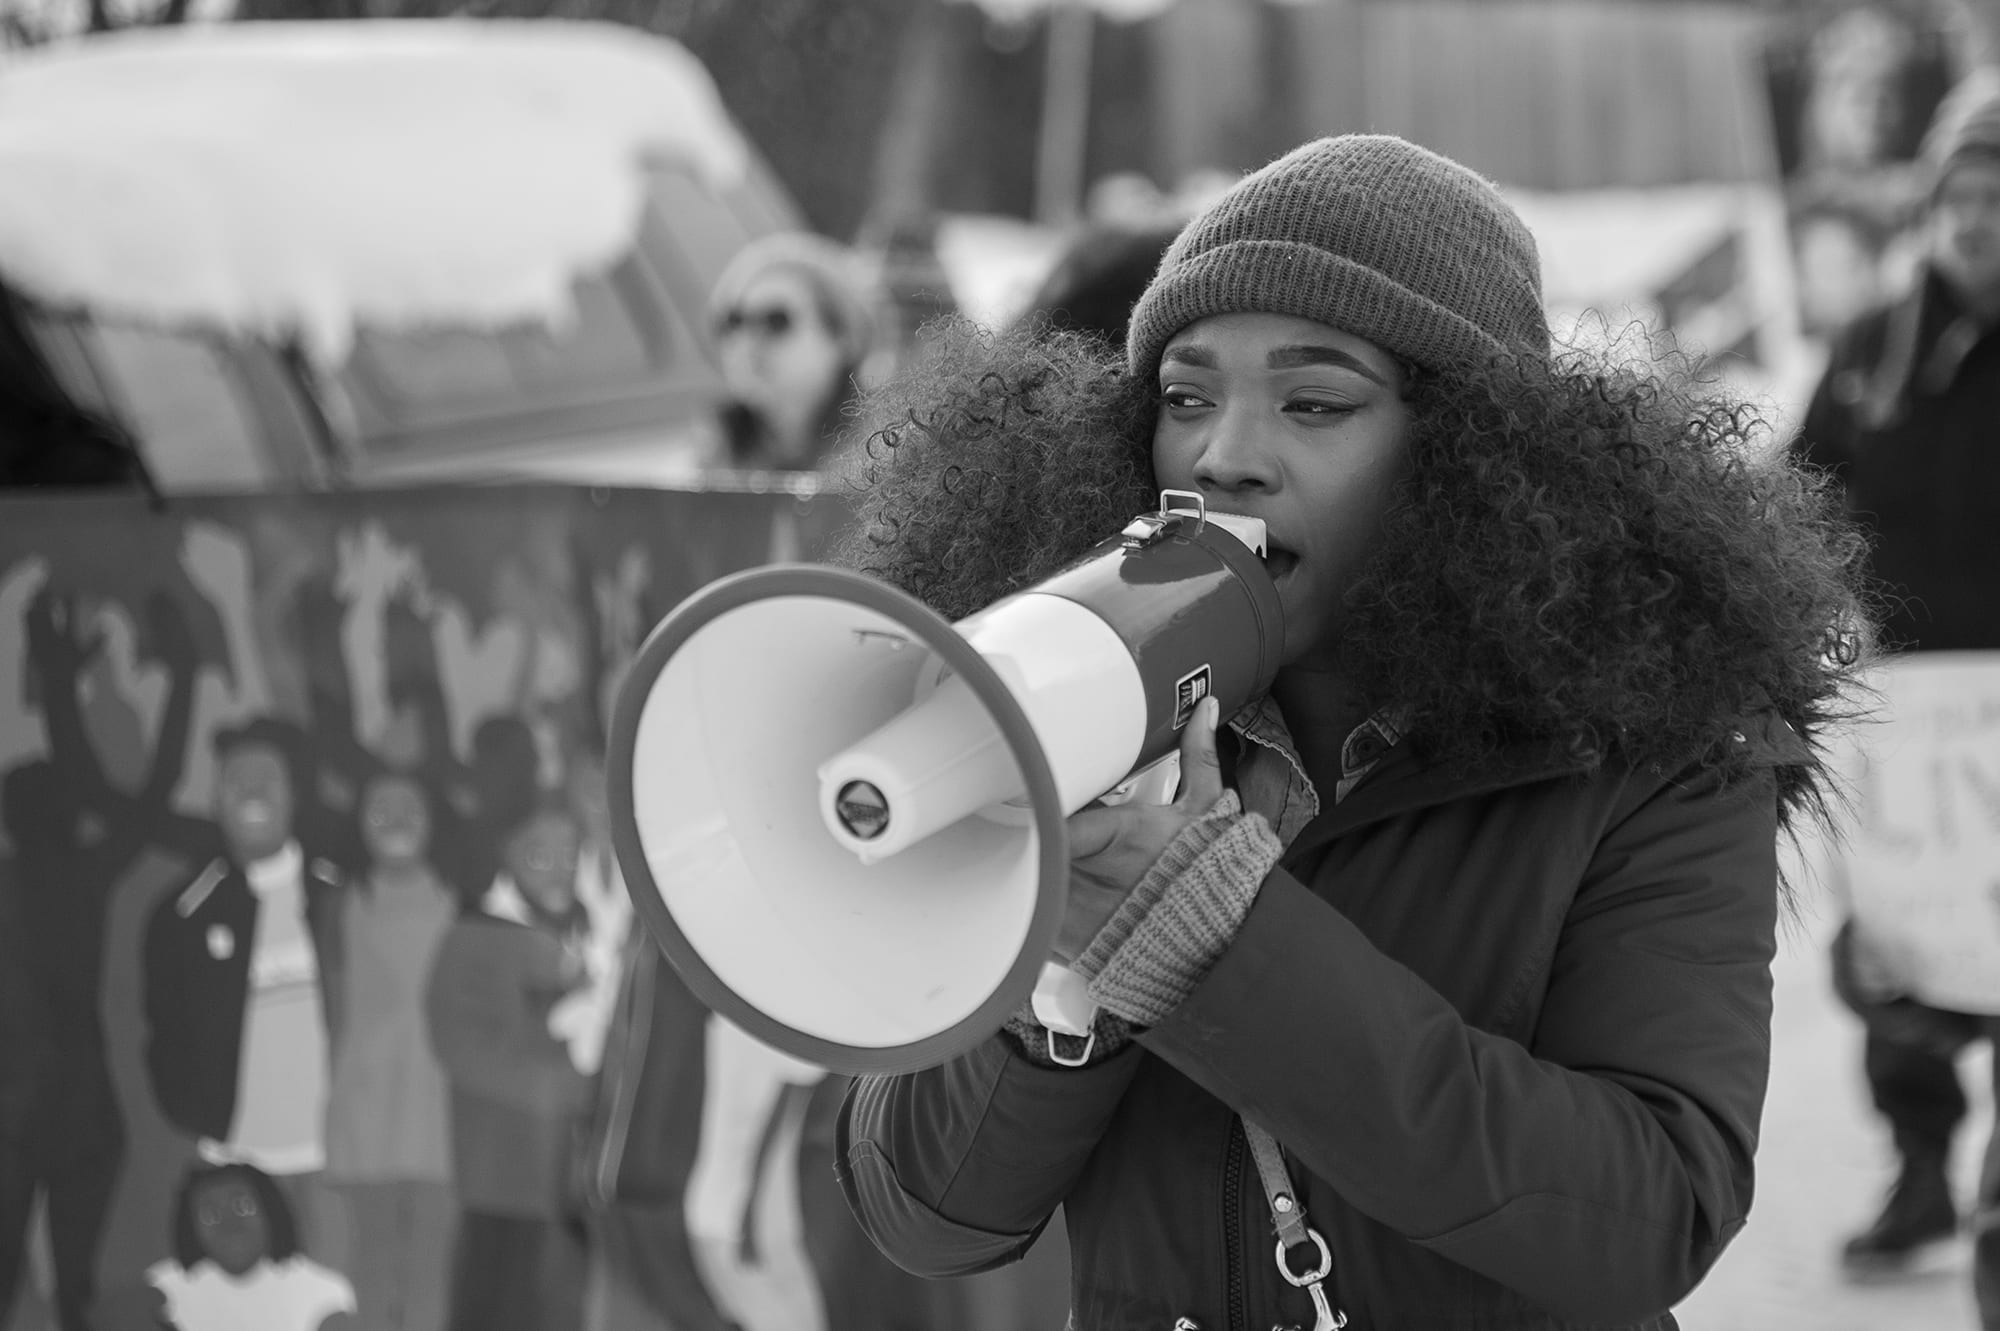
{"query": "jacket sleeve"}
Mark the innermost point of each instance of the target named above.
(1598, 1170)
(172, 1043)
(956, 1169)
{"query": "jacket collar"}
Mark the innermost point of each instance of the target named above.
(1401, 783)
(1382, 776)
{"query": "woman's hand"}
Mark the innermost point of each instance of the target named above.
(1112, 846)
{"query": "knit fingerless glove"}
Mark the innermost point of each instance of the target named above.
(1162, 939)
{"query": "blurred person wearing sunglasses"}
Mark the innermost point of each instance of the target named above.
(793, 319)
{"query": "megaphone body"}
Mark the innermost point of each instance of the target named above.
(841, 816)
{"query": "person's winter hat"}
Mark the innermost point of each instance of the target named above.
(843, 281)
(1369, 234)
(1966, 124)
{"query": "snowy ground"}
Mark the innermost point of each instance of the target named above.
(1822, 1170)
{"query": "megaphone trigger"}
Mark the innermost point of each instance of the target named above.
(1150, 785)
(1061, 1001)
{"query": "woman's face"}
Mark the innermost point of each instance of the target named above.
(776, 353)
(234, 1231)
(395, 821)
(1297, 423)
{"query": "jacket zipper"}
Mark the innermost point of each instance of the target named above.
(1232, 1225)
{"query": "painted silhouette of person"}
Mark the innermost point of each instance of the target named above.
(241, 972)
(75, 836)
(238, 1265)
(239, 1262)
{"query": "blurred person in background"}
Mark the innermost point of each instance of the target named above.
(1907, 418)
(705, 1165)
(1099, 276)
(794, 320)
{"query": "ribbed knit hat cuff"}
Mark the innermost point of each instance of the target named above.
(1287, 277)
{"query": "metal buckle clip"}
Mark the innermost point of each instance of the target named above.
(1314, 1276)
(1144, 530)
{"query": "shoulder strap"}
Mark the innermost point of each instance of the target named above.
(1289, 1213)
(1286, 1209)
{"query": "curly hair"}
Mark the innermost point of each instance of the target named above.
(1602, 554)
(992, 461)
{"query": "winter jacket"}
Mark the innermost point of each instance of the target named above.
(1512, 1029)
(196, 957)
(1907, 416)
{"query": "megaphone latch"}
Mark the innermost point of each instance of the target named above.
(1145, 529)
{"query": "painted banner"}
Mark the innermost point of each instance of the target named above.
(1852, 88)
(1922, 858)
(320, 1001)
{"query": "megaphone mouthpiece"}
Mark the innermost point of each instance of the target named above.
(945, 758)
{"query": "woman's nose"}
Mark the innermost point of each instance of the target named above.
(1234, 457)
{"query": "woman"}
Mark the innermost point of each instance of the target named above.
(793, 319)
(1450, 963)
(388, 1128)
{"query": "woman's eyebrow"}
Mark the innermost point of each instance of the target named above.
(1298, 357)
(1198, 356)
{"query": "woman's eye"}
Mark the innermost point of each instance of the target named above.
(1313, 406)
(1178, 398)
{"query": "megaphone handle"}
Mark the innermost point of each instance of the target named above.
(1155, 784)
(1062, 1001)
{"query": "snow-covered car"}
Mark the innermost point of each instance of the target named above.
(310, 254)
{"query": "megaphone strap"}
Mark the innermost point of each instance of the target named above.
(1288, 1212)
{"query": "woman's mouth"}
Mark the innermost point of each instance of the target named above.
(1279, 561)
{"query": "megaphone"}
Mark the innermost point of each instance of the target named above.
(841, 816)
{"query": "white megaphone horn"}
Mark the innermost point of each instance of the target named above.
(841, 816)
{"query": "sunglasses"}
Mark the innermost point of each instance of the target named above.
(773, 321)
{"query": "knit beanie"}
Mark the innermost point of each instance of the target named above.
(1966, 124)
(1366, 233)
(843, 281)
